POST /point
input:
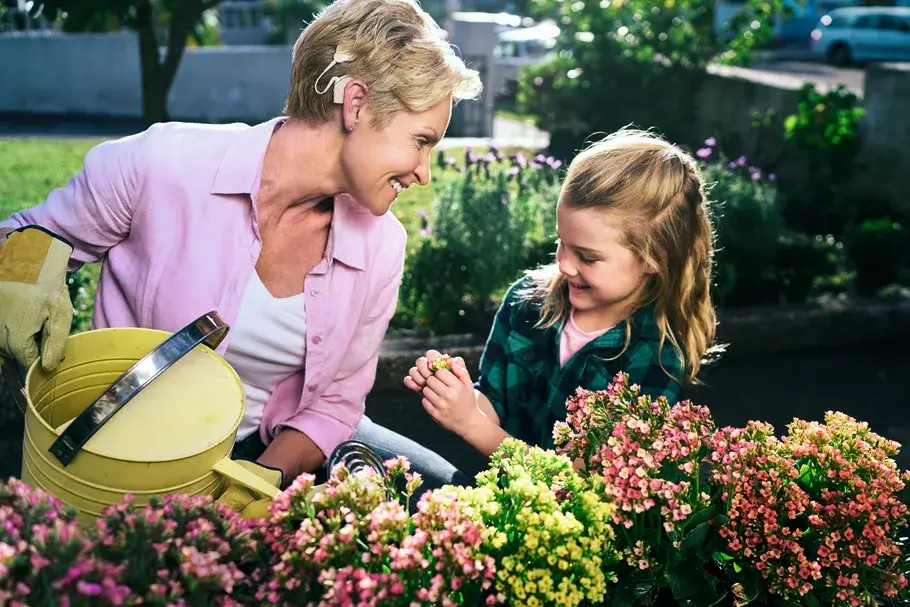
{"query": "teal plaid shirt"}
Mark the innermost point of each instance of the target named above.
(520, 372)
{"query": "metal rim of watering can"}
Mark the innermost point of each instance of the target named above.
(208, 329)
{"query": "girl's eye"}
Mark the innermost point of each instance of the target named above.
(586, 260)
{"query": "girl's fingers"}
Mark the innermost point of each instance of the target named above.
(416, 376)
(434, 398)
(424, 367)
(410, 384)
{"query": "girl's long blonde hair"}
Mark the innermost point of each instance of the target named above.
(656, 194)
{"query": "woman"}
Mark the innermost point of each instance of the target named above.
(282, 227)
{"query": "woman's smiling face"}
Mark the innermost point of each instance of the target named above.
(379, 164)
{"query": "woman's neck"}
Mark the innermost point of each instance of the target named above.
(301, 166)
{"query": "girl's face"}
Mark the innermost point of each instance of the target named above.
(602, 273)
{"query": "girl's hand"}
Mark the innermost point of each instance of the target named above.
(449, 398)
(416, 379)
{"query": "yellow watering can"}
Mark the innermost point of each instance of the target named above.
(98, 427)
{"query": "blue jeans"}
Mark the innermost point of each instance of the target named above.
(435, 470)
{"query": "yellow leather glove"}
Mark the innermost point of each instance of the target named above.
(34, 298)
(240, 499)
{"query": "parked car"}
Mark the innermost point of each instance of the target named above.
(860, 34)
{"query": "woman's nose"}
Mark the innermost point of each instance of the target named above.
(422, 172)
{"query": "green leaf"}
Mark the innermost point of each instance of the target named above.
(751, 581)
(811, 601)
(702, 516)
(722, 556)
(790, 124)
(695, 539)
(691, 584)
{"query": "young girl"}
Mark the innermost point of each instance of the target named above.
(629, 291)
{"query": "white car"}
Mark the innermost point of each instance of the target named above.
(858, 34)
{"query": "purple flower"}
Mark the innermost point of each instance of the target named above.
(772, 177)
(710, 142)
(520, 160)
(421, 213)
(732, 165)
(703, 152)
(741, 161)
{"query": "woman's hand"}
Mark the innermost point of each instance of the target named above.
(450, 399)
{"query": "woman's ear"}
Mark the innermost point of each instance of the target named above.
(354, 104)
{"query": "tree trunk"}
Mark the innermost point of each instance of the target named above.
(157, 72)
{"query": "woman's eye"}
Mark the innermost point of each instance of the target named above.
(587, 260)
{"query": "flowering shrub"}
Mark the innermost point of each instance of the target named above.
(648, 456)
(489, 203)
(347, 543)
(43, 555)
(181, 550)
(549, 532)
(816, 513)
(643, 503)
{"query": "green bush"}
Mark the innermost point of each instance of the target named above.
(877, 249)
(489, 223)
(633, 61)
(748, 226)
(825, 140)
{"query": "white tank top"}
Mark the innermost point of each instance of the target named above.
(267, 345)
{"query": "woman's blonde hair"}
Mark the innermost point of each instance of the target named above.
(396, 49)
(656, 194)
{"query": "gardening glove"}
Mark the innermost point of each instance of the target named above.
(34, 298)
(240, 499)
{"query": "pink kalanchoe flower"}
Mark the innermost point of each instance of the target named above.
(816, 512)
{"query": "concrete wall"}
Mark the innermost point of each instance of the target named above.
(886, 128)
(98, 75)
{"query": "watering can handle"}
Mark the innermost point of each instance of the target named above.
(208, 329)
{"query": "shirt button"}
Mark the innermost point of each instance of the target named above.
(312, 387)
(316, 340)
(314, 292)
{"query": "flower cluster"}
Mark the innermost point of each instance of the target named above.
(346, 542)
(816, 512)
(44, 557)
(648, 455)
(192, 551)
(548, 530)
